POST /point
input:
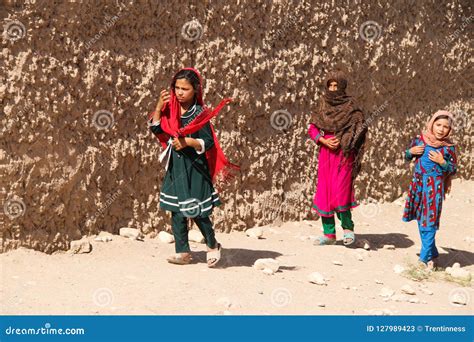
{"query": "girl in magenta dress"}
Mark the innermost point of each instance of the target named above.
(339, 128)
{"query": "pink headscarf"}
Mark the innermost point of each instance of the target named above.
(428, 135)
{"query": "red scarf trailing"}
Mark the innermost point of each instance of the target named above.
(171, 125)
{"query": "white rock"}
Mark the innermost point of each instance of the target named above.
(428, 292)
(408, 290)
(268, 271)
(338, 263)
(360, 257)
(458, 298)
(80, 246)
(255, 233)
(413, 300)
(398, 269)
(390, 247)
(456, 265)
(400, 298)
(316, 278)
(377, 281)
(366, 246)
(458, 273)
(345, 287)
(104, 238)
(321, 305)
(131, 233)
(195, 236)
(386, 292)
(165, 237)
(266, 264)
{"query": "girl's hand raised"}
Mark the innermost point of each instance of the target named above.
(417, 150)
(331, 143)
(436, 157)
(179, 143)
(164, 97)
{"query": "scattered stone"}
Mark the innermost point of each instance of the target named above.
(104, 238)
(359, 257)
(165, 237)
(378, 282)
(426, 291)
(345, 287)
(390, 247)
(386, 292)
(321, 305)
(458, 273)
(398, 269)
(195, 236)
(338, 263)
(458, 298)
(382, 312)
(316, 278)
(131, 233)
(268, 266)
(414, 300)
(80, 246)
(255, 233)
(355, 288)
(408, 290)
(400, 298)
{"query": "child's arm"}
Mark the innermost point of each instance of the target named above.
(205, 139)
(450, 160)
(155, 125)
(314, 133)
(416, 148)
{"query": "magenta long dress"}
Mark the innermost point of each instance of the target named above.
(334, 189)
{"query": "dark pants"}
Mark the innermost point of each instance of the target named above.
(179, 224)
(329, 223)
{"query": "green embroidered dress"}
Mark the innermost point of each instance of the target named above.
(187, 186)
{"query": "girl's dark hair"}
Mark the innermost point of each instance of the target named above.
(189, 76)
(450, 120)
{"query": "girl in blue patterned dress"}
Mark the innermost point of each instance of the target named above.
(435, 164)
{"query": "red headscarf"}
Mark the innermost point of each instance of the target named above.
(171, 125)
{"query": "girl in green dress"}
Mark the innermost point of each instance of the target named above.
(192, 158)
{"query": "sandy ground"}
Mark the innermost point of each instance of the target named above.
(132, 277)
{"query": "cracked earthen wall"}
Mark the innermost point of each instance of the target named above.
(65, 174)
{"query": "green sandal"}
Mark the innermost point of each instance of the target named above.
(323, 241)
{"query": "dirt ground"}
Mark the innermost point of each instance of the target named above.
(127, 276)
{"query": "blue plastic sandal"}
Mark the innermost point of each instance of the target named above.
(323, 241)
(349, 238)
